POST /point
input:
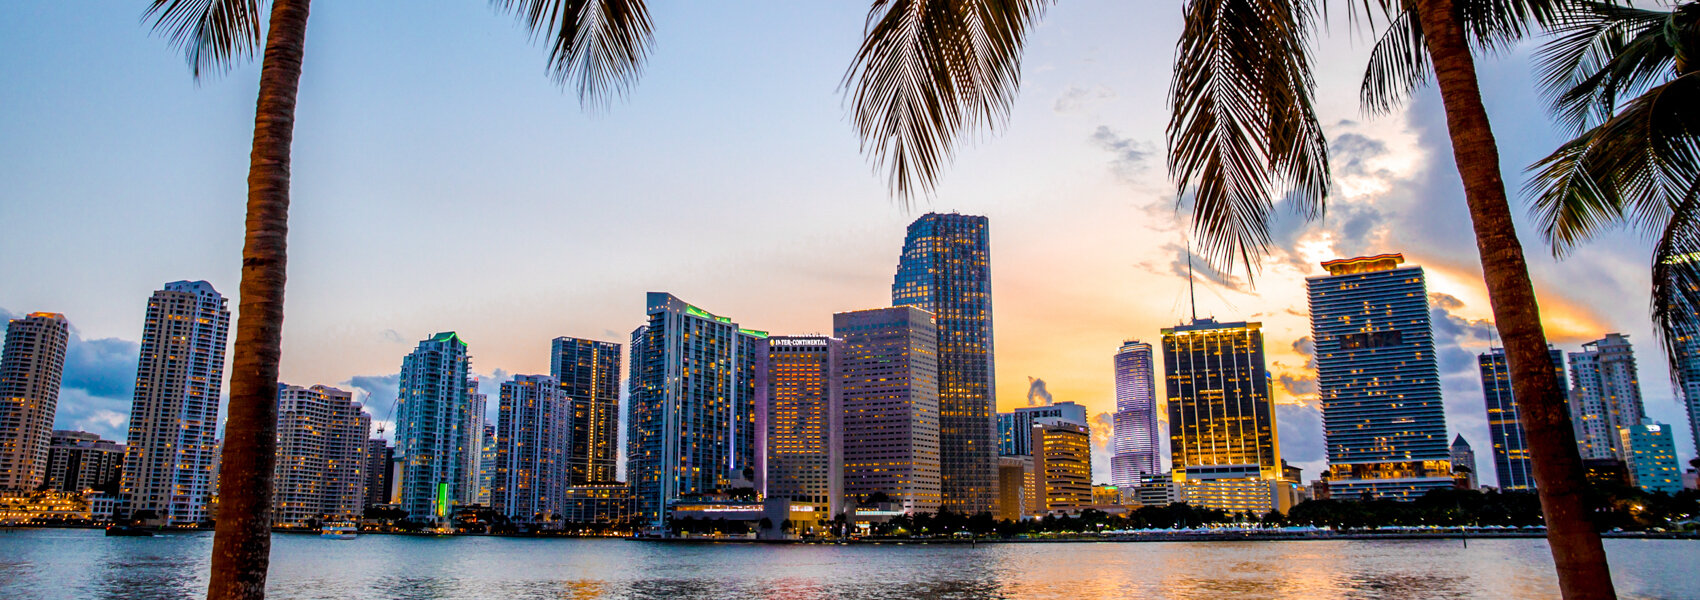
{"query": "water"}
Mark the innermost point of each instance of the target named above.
(86, 564)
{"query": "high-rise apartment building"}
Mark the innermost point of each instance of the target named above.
(890, 394)
(172, 450)
(534, 431)
(487, 464)
(1015, 428)
(320, 474)
(1378, 379)
(1511, 463)
(434, 421)
(1463, 459)
(802, 418)
(1223, 443)
(1605, 395)
(32, 365)
(379, 456)
(1137, 449)
(589, 372)
(1650, 453)
(1062, 467)
(692, 408)
(79, 460)
(946, 270)
(473, 443)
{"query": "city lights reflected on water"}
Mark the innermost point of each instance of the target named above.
(85, 564)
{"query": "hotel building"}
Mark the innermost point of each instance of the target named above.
(171, 454)
(802, 421)
(890, 395)
(32, 366)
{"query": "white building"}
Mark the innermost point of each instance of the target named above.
(321, 456)
(169, 460)
(30, 371)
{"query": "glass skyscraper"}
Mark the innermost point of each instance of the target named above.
(889, 373)
(946, 270)
(434, 423)
(1136, 444)
(1223, 444)
(1378, 379)
(171, 457)
(589, 373)
(1510, 446)
(692, 421)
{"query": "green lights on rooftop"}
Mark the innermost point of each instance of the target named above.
(448, 336)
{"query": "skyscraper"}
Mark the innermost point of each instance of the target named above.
(589, 372)
(472, 444)
(32, 366)
(379, 455)
(1062, 466)
(1650, 454)
(1015, 428)
(1136, 444)
(169, 460)
(1223, 445)
(1510, 446)
(946, 270)
(1606, 395)
(1463, 459)
(322, 436)
(434, 427)
(1378, 379)
(692, 419)
(487, 464)
(534, 432)
(803, 418)
(891, 399)
(79, 460)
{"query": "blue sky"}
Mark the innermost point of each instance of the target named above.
(442, 182)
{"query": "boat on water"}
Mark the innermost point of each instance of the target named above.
(129, 531)
(339, 531)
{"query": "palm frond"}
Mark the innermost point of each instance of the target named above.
(1242, 126)
(1602, 53)
(1634, 168)
(213, 34)
(1676, 280)
(927, 71)
(1398, 65)
(595, 46)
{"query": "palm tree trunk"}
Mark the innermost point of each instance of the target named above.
(1541, 407)
(242, 542)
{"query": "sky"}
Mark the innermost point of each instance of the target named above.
(442, 182)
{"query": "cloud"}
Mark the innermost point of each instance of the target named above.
(1302, 442)
(1103, 442)
(1130, 155)
(1037, 395)
(98, 384)
(1077, 99)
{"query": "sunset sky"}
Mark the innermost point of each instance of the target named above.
(443, 183)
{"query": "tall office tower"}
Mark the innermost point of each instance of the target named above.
(1062, 466)
(1606, 395)
(804, 419)
(1650, 454)
(1463, 459)
(692, 421)
(79, 460)
(589, 372)
(434, 427)
(1018, 424)
(322, 436)
(534, 431)
(169, 458)
(1510, 445)
(487, 464)
(891, 405)
(472, 452)
(1136, 445)
(31, 367)
(1222, 436)
(1378, 379)
(946, 270)
(379, 455)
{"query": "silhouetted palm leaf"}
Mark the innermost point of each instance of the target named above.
(1676, 277)
(596, 46)
(1399, 63)
(1602, 53)
(214, 34)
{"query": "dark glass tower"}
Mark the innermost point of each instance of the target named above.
(1510, 447)
(589, 373)
(946, 269)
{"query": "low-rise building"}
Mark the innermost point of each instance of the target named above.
(597, 503)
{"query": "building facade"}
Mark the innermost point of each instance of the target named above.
(692, 419)
(1463, 459)
(1650, 454)
(320, 474)
(1687, 371)
(434, 428)
(589, 372)
(889, 379)
(1015, 429)
(172, 450)
(1062, 467)
(1222, 433)
(1511, 463)
(379, 455)
(1137, 449)
(802, 420)
(32, 365)
(946, 270)
(1014, 475)
(1378, 379)
(533, 435)
(1605, 397)
(598, 503)
(78, 461)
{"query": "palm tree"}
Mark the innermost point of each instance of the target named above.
(1242, 132)
(597, 46)
(1627, 82)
